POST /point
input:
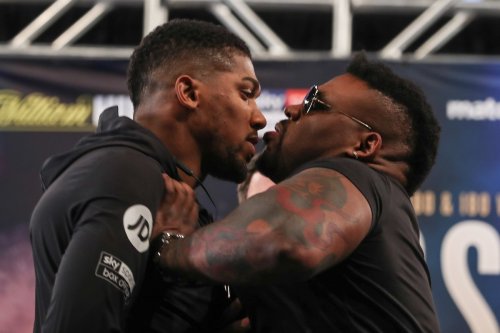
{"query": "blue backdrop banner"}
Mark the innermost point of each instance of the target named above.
(47, 105)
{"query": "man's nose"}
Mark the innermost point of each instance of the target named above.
(258, 121)
(293, 112)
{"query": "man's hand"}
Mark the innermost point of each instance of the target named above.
(234, 319)
(178, 212)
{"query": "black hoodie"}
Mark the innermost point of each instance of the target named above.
(90, 232)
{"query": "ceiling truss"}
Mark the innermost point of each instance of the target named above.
(240, 16)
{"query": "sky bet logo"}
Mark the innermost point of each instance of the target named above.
(138, 224)
(116, 272)
(110, 261)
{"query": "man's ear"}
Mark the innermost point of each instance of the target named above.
(369, 147)
(186, 91)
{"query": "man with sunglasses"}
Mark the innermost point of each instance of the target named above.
(334, 246)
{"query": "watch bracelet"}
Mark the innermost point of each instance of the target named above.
(161, 242)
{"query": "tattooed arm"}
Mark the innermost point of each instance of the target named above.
(292, 231)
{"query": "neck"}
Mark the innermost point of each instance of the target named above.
(176, 138)
(397, 170)
(187, 175)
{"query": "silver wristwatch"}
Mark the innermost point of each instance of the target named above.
(163, 240)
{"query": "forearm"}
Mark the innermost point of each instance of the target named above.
(224, 253)
(288, 233)
(264, 240)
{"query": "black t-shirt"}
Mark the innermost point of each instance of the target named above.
(383, 286)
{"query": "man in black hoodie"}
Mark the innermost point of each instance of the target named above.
(193, 88)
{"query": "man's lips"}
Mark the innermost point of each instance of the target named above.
(253, 140)
(268, 136)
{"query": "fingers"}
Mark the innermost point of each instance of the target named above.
(185, 196)
(177, 193)
(169, 183)
(238, 326)
(178, 210)
(186, 203)
(189, 209)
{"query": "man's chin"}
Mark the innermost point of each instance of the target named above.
(234, 173)
(267, 165)
(234, 178)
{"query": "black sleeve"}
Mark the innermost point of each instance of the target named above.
(117, 194)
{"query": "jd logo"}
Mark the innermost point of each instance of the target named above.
(141, 227)
(138, 222)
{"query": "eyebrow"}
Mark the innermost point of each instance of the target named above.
(255, 83)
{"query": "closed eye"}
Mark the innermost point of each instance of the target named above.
(251, 87)
(247, 94)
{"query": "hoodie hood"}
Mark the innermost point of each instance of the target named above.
(112, 130)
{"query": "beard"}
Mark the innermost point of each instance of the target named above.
(225, 164)
(268, 164)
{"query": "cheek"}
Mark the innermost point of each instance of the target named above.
(220, 115)
(231, 116)
(292, 149)
(299, 136)
(238, 121)
(301, 144)
(232, 131)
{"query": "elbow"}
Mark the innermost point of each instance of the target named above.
(296, 261)
(308, 259)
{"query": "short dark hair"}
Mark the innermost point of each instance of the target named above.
(422, 127)
(177, 45)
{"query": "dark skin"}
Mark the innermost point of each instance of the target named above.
(301, 232)
(311, 221)
(209, 121)
(204, 116)
(179, 208)
(177, 116)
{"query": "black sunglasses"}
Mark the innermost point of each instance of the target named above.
(312, 102)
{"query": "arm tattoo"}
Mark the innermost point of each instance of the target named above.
(248, 246)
